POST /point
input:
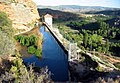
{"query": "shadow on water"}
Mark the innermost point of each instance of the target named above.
(53, 56)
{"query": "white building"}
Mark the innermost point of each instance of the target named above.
(48, 19)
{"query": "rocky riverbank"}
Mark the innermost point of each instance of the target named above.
(85, 71)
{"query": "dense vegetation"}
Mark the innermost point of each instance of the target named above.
(96, 32)
(99, 35)
(7, 44)
(31, 43)
(100, 27)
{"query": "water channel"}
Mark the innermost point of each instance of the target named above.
(53, 56)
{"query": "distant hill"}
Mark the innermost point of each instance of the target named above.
(59, 16)
(78, 9)
(107, 12)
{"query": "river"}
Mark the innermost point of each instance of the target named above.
(53, 56)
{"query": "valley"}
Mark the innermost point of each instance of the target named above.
(64, 43)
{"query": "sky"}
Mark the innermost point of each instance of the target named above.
(104, 3)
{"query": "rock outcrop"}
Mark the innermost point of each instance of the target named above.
(23, 13)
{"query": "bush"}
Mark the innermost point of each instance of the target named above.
(107, 80)
(117, 65)
(31, 49)
(13, 69)
(38, 53)
(22, 40)
(27, 40)
(6, 24)
(19, 73)
(7, 43)
(33, 39)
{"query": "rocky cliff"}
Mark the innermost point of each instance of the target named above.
(23, 13)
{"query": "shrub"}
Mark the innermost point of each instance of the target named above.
(7, 43)
(33, 40)
(27, 40)
(117, 65)
(13, 69)
(19, 73)
(6, 24)
(100, 69)
(22, 75)
(107, 80)
(31, 49)
(38, 52)
(17, 38)
(22, 40)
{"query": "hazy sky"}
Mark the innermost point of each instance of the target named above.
(105, 3)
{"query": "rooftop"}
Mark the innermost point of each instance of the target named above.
(48, 15)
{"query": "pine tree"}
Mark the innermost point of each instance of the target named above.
(85, 39)
(107, 46)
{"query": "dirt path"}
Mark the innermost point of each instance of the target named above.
(110, 59)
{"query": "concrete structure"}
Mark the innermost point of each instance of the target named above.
(73, 51)
(48, 19)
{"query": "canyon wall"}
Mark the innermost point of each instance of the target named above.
(23, 13)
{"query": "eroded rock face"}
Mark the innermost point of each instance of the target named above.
(23, 13)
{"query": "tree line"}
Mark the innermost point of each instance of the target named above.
(97, 36)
